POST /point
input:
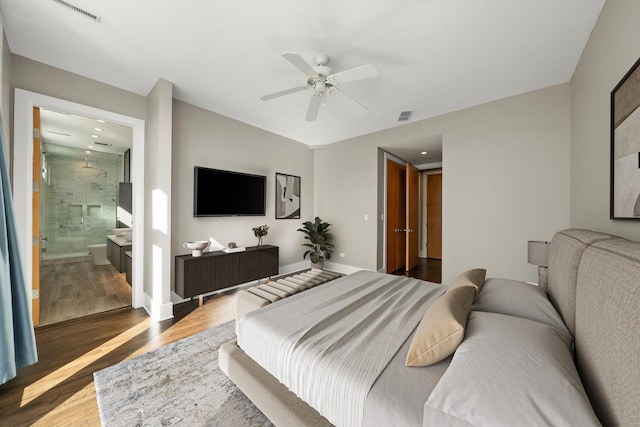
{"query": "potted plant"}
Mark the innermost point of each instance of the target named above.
(260, 232)
(317, 235)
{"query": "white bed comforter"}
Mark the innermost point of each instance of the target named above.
(329, 344)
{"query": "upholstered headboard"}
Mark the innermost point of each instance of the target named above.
(565, 254)
(594, 282)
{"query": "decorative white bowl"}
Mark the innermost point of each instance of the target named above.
(196, 247)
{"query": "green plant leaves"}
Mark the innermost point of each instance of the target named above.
(317, 233)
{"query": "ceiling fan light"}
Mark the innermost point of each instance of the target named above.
(320, 86)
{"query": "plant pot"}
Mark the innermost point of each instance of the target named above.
(318, 265)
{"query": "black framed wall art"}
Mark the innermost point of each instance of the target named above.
(625, 146)
(288, 189)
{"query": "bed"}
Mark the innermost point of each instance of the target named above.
(373, 349)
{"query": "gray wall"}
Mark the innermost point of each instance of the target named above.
(204, 138)
(614, 46)
(41, 78)
(505, 181)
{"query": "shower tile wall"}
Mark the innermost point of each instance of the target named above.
(79, 196)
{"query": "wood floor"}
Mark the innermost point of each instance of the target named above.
(73, 288)
(428, 269)
(59, 389)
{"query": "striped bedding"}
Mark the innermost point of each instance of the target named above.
(329, 344)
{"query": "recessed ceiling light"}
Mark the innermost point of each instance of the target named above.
(90, 146)
(101, 121)
(98, 129)
(424, 153)
(95, 136)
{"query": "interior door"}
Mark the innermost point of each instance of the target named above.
(396, 216)
(434, 216)
(35, 230)
(412, 216)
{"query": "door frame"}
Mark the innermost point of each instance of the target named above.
(400, 174)
(412, 220)
(24, 101)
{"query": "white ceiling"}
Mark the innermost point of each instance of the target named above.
(86, 133)
(433, 56)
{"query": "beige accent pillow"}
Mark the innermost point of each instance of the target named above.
(441, 329)
(473, 278)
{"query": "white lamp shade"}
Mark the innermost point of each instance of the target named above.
(538, 253)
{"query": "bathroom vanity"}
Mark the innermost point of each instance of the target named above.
(117, 247)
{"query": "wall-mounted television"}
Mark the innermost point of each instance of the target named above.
(225, 193)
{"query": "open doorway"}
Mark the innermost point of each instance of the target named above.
(25, 186)
(84, 162)
(411, 214)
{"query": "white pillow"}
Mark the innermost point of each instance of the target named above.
(518, 299)
(510, 371)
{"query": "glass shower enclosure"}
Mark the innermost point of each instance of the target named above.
(78, 199)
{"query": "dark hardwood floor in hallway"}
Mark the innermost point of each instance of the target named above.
(428, 269)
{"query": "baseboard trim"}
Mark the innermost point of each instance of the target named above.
(157, 312)
(341, 268)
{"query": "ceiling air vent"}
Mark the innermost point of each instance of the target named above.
(404, 116)
(77, 9)
(104, 144)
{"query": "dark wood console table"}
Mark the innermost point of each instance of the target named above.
(218, 270)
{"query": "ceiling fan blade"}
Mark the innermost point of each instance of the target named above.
(314, 107)
(283, 92)
(358, 73)
(299, 63)
(351, 103)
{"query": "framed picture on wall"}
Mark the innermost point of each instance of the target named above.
(287, 196)
(625, 146)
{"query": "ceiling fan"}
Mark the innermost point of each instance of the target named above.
(323, 81)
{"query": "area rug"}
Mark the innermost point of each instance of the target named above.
(177, 384)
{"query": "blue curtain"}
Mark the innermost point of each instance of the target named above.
(17, 338)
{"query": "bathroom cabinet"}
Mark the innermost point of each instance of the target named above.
(116, 252)
(218, 270)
